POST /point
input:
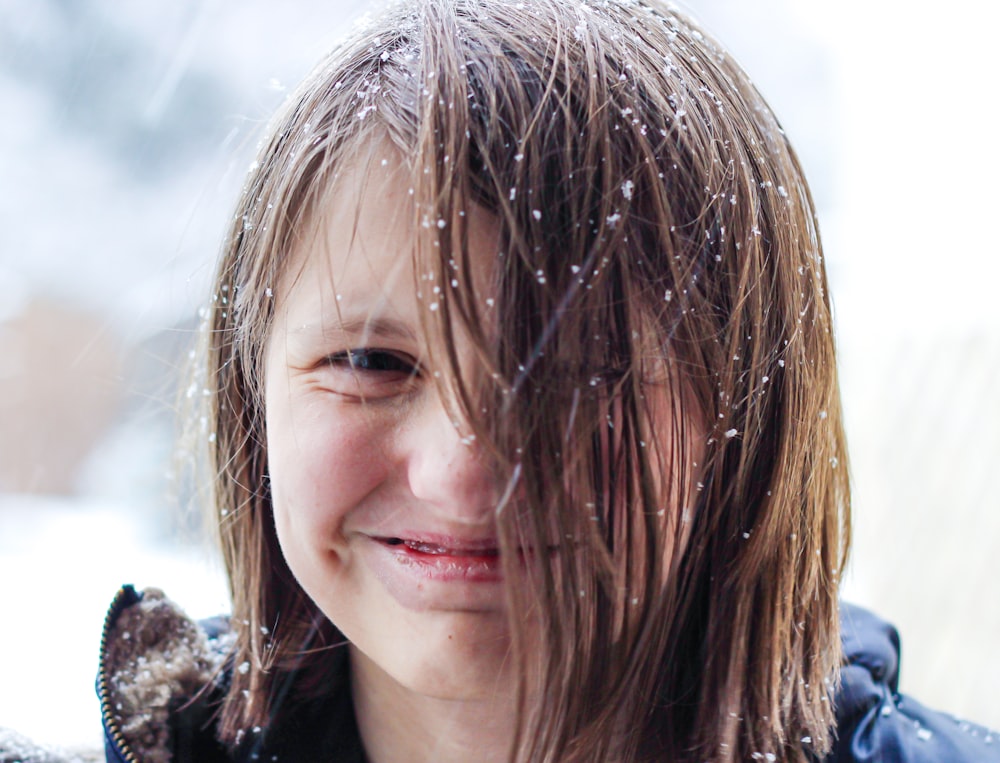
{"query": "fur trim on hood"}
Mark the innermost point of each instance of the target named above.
(156, 660)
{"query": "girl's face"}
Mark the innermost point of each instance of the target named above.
(383, 505)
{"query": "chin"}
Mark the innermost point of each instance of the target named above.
(452, 656)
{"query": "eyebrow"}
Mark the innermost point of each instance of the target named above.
(368, 326)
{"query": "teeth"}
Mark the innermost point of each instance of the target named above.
(425, 548)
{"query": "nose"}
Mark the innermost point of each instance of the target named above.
(447, 469)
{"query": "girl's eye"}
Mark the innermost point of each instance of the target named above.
(376, 360)
(373, 372)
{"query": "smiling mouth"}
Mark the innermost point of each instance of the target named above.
(444, 559)
(474, 550)
(407, 564)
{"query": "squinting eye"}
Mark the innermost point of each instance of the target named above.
(371, 374)
(375, 361)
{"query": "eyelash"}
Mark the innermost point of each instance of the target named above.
(375, 361)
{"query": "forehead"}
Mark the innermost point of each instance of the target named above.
(366, 250)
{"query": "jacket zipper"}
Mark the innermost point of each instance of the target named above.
(126, 597)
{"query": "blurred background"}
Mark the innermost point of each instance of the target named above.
(126, 132)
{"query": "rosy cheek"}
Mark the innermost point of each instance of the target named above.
(322, 465)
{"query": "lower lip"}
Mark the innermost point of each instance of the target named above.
(454, 580)
(448, 565)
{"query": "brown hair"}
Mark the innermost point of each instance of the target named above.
(658, 242)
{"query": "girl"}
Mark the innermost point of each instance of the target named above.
(524, 422)
(525, 389)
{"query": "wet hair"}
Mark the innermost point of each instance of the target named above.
(657, 385)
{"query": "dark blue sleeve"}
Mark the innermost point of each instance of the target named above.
(877, 724)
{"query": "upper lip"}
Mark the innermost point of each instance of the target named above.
(439, 542)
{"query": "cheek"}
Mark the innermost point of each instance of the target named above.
(320, 465)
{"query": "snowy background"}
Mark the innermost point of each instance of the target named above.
(125, 132)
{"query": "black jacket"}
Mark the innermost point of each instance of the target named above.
(874, 722)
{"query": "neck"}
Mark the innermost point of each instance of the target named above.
(400, 725)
